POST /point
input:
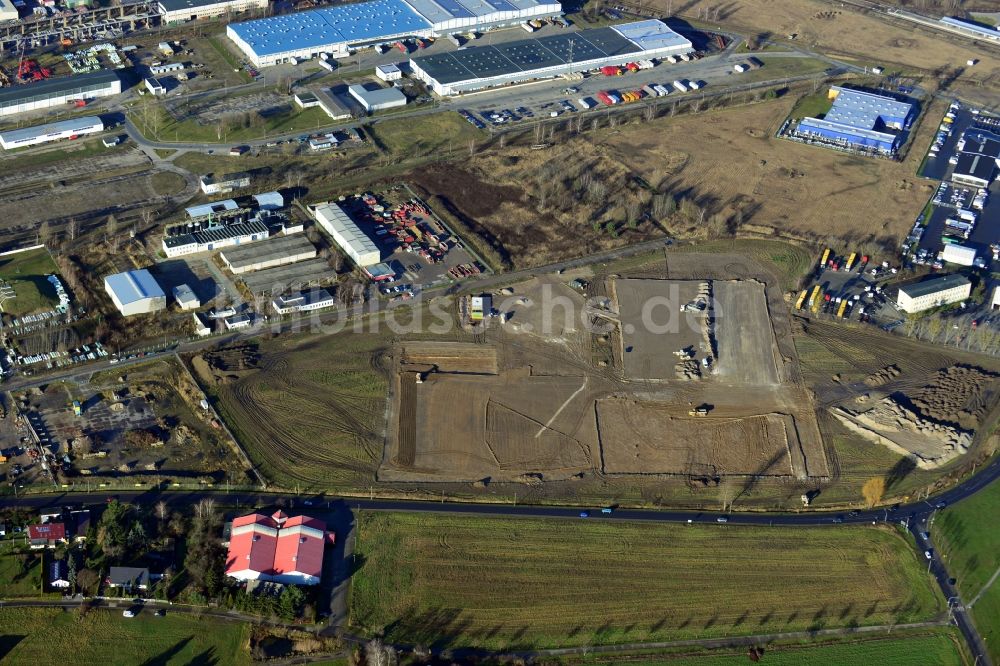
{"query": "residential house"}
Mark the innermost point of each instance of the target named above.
(47, 535)
(59, 574)
(129, 579)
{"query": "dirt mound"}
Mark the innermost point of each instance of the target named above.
(451, 357)
(883, 376)
(892, 424)
(959, 395)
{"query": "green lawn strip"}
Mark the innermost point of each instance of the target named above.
(967, 536)
(503, 583)
(160, 126)
(812, 106)
(229, 57)
(20, 160)
(939, 647)
(45, 635)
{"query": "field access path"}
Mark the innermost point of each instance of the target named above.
(340, 511)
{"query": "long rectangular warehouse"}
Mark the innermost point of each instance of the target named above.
(340, 28)
(526, 60)
(58, 91)
(63, 129)
(268, 254)
(352, 240)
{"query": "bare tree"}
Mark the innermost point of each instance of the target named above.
(44, 234)
(72, 228)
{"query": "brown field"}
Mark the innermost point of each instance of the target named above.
(729, 160)
(450, 357)
(647, 438)
(605, 188)
(649, 353)
(837, 30)
(537, 409)
(471, 427)
(534, 206)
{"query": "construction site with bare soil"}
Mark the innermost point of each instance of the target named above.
(698, 384)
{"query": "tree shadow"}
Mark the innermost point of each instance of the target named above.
(168, 655)
(8, 642)
(902, 469)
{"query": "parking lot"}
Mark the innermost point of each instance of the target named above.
(976, 213)
(859, 293)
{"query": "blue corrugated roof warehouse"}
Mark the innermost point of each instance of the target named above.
(317, 28)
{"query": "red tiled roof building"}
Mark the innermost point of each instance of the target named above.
(277, 548)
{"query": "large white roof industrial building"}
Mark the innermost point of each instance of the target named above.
(338, 29)
(62, 129)
(525, 60)
(58, 91)
(349, 237)
(135, 292)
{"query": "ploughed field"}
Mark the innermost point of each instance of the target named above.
(502, 583)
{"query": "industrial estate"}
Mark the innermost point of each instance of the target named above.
(499, 331)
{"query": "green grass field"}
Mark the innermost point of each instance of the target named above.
(26, 273)
(14, 583)
(968, 538)
(158, 124)
(47, 635)
(811, 106)
(931, 647)
(502, 583)
(410, 137)
(311, 419)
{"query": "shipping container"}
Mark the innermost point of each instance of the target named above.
(650, 90)
(584, 102)
(528, 27)
(662, 90)
(680, 87)
(611, 70)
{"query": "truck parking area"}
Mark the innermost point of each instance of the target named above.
(850, 286)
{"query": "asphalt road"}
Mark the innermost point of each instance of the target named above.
(917, 517)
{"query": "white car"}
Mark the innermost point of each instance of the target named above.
(128, 613)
